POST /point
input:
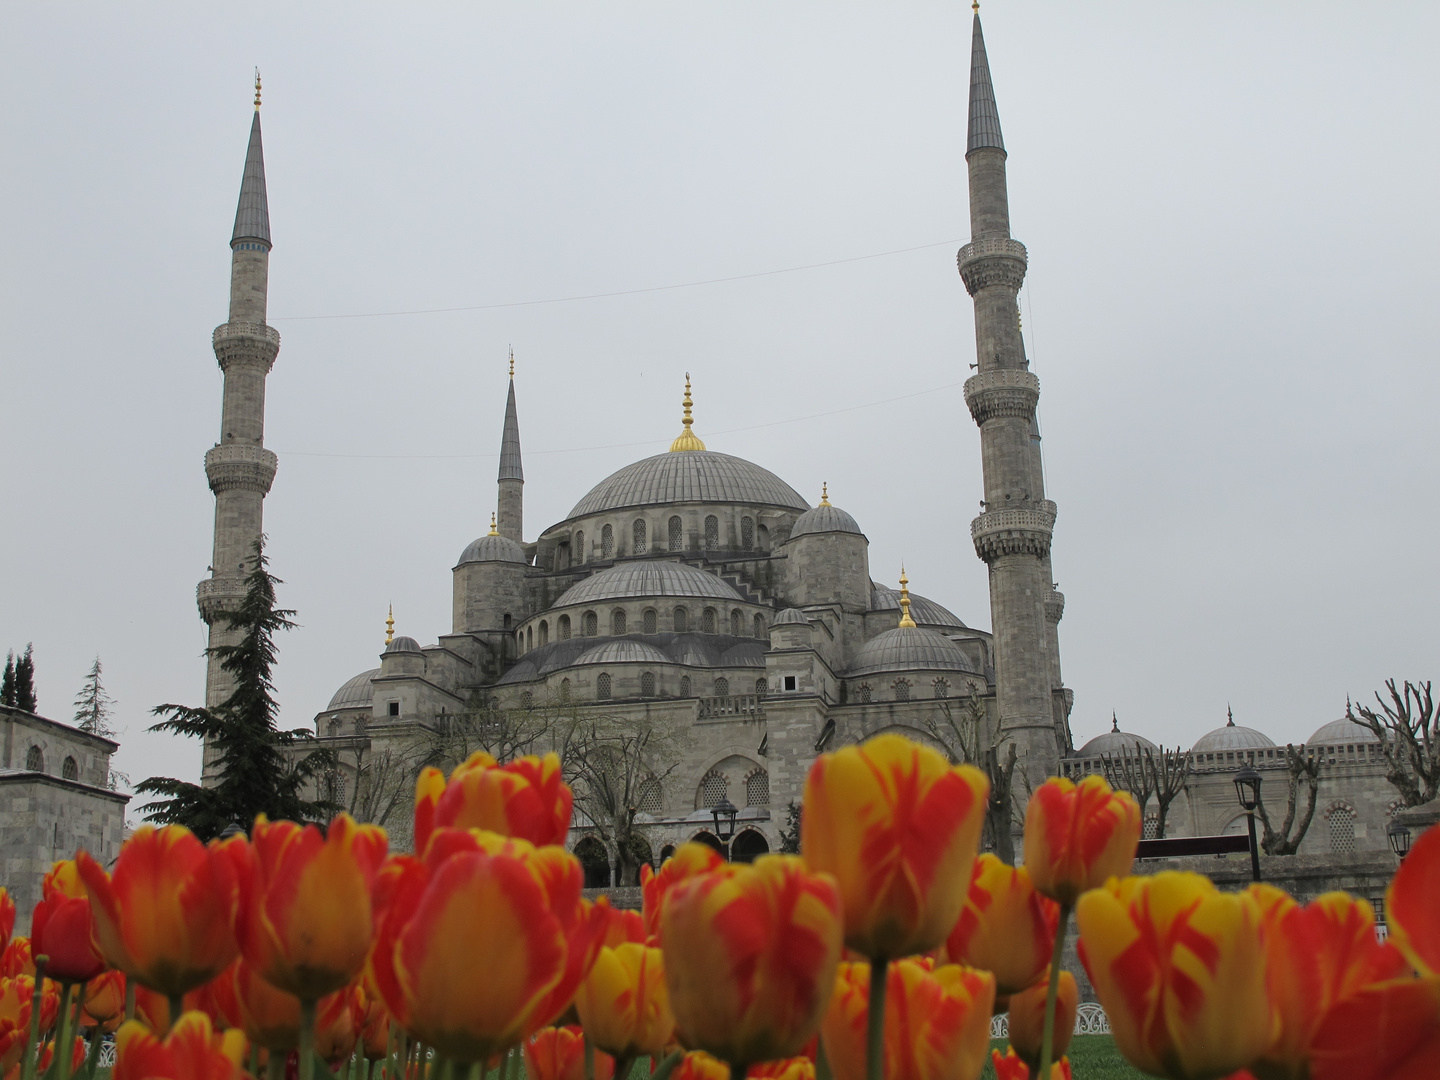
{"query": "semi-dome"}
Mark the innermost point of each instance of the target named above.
(693, 476)
(356, 692)
(403, 644)
(790, 617)
(1232, 737)
(824, 519)
(924, 611)
(908, 648)
(1338, 732)
(1115, 740)
(629, 581)
(623, 652)
(493, 548)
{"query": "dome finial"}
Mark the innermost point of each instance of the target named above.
(493, 530)
(975, 6)
(687, 439)
(390, 625)
(1229, 716)
(257, 89)
(1114, 721)
(824, 493)
(512, 363)
(905, 619)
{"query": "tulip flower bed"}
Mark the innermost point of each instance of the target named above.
(879, 953)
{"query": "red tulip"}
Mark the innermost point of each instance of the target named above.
(16, 1002)
(689, 860)
(558, 1053)
(7, 918)
(1388, 1031)
(60, 927)
(1006, 927)
(191, 1051)
(1410, 901)
(1027, 1017)
(17, 959)
(1078, 836)
(524, 798)
(1013, 1067)
(104, 1000)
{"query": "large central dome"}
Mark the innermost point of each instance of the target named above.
(691, 476)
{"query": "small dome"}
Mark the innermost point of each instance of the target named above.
(696, 476)
(403, 644)
(924, 611)
(1339, 732)
(1115, 740)
(824, 519)
(1232, 737)
(790, 617)
(358, 692)
(908, 648)
(493, 548)
(623, 651)
(630, 581)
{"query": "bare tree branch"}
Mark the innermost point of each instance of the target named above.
(1304, 773)
(1409, 734)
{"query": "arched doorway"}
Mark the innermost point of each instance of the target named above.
(666, 852)
(640, 854)
(748, 845)
(594, 861)
(709, 840)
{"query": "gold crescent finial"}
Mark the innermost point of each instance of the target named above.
(257, 89)
(687, 439)
(975, 6)
(512, 361)
(493, 530)
(390, 625)
(905, 619)
(824, 493)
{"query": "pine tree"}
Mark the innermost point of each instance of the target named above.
(7, 684)
(25, 681)
(93, 705)
(257, 770)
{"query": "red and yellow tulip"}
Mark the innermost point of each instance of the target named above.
(1011, 1066)
(1027, 1017)
(103, 1000)
(17, 959)
(536, 942)
(688, 860)
(898, 826)
(17, 996)
(1388, 1031)
(937, 1021)
(191, 1051)
(524, 798)
(305, 922)
(1410, 902)
(165, 916)
(750, 957)
(60, 927)
(558, 1053)
(1006, 927)
(623, 926)
(623, 1003)
(1078, 836)
(7, 918)
(1180, 969)
(338, 1023)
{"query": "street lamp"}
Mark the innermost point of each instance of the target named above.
(233, 829)
(1399, 837)
(725, 813)
(1247, 787)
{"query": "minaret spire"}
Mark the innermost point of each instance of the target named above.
(687, 439)
(1013, 534)
(511, 517)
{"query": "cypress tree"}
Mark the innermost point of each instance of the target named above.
(7, 684)
(93, 705)
(25, 681)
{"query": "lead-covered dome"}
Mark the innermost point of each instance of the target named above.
(629, 581)
(923, 610)
(1115, 740)
(623, 652)
(403, 644)
(910, 648)
(824, 519)
(1339, 732)
(356, 692)
(692, 476)
(492, 548)
(1232, 737)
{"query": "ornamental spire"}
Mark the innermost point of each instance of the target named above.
(493, 530)
(390, 625)
(687, 439)
(984, 116)
(905, 619)
(252, 215)
(825, 494)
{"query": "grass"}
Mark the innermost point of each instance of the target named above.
(1092, 1057)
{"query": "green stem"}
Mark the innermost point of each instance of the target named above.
(254, 1059)
(737, 1072)
(667, 1066)
(32, 1048)
(512, 1063)
(63, 1037)
(589, 1059)
(822, 1061)
(92, 1059)
(307, 1040)
(1047, 1035)
(623, 1068)
(129, 998)
(875, 1021)
(392, 1049)
(275, 1066)
(177, 1006)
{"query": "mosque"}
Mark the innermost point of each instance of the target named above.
(699, 594)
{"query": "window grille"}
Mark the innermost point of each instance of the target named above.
(335, 787)
(527, 700)
(647, 684)
(592, 624)
(712, 533)
(69, 770)
(617, 621)
(747, 533)
(762, 686)
(1342, 831)
(682, 620)
(580, 547)
(564, 689)
(564, 627)
(607, 542)
(942, 688)
(650, 797)
(759, 626)
(684, 685)
(902, 690)
(757, 788)
(639, 531)
(735, 622)
(649, 620)
(713, 789)
(677, 533)
(863, 693)
(707, 621)
(35, 759)
(1152, 827)
(722, 687)
(602, 686)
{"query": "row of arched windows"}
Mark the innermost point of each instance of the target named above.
(539, 633)
(714, 788)
(674, 537)
(900, 690)
(35, 762)
(649, 687)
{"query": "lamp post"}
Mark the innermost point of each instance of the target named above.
(725, 813)
(1247, 787)
(233, 829)
(1399, 837)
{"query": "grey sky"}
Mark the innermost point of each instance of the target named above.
(1232, 226)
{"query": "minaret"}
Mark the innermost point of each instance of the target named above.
(1012, 534)
(512, 476)
(239, 467)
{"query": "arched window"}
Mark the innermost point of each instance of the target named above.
(35, 759)
(942, 688)
(580, 547)
(544, 632)
(607, 542)
(684, 685)
(562, 555)
(564, 627)
(647, 684)
(712, 533)
(529, 638)
(651, 797)
(757, 788)
(707, 621)
(736, 622)
(639, 537)
(763, 535)
(520, 640)
(592, 624)
(863, 693)
(602, 686)
(722, 687)
(649, 620)
(760, 626)
(902, 690)
(682, 620)
(677, 533)
(747, 533)
(713, 788)
(617, 621)
(1151, 827)
(762, 686)
(527, 700)
(1342, 830)
(69, 770)
(564, 689)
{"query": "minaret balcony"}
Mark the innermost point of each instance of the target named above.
(1055, 606)
(215, 595)
(1024, 530)
(1012, 393)
(983, 263)
(244, 468)
(245, 343)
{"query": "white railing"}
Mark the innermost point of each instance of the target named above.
(1090, 1019)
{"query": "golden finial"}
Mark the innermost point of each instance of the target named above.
(390, 625)
(824, 493)
(512, 362)
(975, 6)
(905, 619)
(687, 439)
(493, 530)
(257, 89)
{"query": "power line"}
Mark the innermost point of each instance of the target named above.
(622, 292)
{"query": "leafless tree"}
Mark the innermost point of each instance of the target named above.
(1304, 773)
(1129, 770)
(1409, 733)
(1170, 771)
(963, 739)
(503, 731)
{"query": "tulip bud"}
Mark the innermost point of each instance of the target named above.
(1078, 836)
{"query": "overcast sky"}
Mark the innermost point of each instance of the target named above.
(1231, 216)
